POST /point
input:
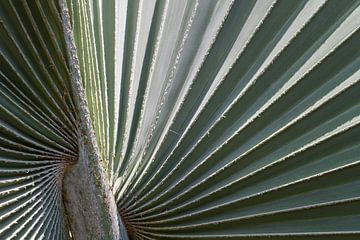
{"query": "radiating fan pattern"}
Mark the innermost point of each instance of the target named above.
(37, 121)
(226, 119)
(214, 118)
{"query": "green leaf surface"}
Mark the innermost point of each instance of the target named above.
(37, 121)
(214, 119)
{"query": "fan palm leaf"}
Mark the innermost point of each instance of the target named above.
(185, 119)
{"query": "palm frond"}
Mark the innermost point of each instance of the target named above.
(214, 119)
(37, 123)
(227, 119)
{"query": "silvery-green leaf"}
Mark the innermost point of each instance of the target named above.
(214, 119)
